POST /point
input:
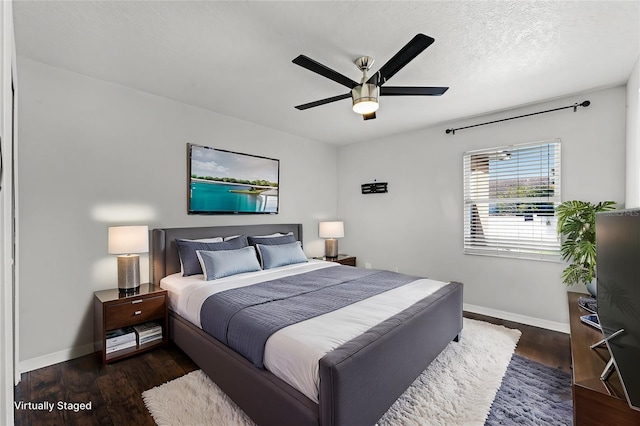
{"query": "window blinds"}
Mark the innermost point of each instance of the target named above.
(510, 195)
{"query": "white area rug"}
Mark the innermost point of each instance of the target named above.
(456, 389)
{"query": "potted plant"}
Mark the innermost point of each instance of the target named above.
(577, 222)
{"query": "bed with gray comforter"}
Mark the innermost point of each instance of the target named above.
(393, 352)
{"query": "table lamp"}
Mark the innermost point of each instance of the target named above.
(127, 241)
(331, 231)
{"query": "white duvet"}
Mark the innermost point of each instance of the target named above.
(292, 354)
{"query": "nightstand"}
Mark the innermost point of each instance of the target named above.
(343, 259)
(113, 310)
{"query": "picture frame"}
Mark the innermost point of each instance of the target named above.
(228, 182)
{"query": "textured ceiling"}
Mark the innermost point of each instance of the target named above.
(234, 58)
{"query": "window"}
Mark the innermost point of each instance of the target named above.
(510, 195)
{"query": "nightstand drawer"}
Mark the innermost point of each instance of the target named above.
(134, 311)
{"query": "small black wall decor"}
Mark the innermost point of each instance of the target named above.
(374, 188)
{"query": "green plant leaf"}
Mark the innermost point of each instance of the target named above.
(574, 274)
(577, 223)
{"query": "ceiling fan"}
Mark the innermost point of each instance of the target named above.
(365, 94)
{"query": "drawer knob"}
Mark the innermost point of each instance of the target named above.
(137, 312)
(136, 301)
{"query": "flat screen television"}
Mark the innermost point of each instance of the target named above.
(618, 293)
(226, 182)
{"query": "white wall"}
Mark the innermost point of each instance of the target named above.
(633, 138)
(417, 227)
(6, 215)
(93, 154)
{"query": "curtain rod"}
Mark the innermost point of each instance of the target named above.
(574, 106)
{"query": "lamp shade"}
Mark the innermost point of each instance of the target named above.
(331, 229)
(128, 239)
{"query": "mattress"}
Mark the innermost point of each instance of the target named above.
(292, 353)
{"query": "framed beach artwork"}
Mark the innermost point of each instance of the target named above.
(226, 182)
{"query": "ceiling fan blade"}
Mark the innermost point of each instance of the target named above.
(369, 116)
(403, 57)
(323, 101)
(412, 91)
(318, 68)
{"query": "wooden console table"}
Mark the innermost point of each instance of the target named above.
(595, 402)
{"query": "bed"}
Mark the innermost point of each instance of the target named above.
(358, 381)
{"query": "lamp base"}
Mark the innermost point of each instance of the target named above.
(129, 273)
(124, 292)
(331, 248)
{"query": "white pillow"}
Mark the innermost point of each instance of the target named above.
(209, 240)
(277, 234)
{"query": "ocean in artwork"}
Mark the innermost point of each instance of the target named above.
(218, 197)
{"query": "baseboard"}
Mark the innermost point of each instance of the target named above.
(522, 319)
(55, 358)
(78, 351)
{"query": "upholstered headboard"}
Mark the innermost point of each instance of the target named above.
(164, 251)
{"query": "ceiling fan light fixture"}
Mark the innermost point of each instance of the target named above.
(365, 98)
(364, 95)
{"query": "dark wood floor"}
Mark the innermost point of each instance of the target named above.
(115, 390)
(544, 346)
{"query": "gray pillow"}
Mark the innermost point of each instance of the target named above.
(202, 240)
(268, 241)
(219, 264)
(273, 256)
(189, 258)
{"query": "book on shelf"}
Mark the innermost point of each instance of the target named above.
(588, 303)
(149, 339)
(119, 336)
(592, 320)
(121, 346)
(147, 329)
